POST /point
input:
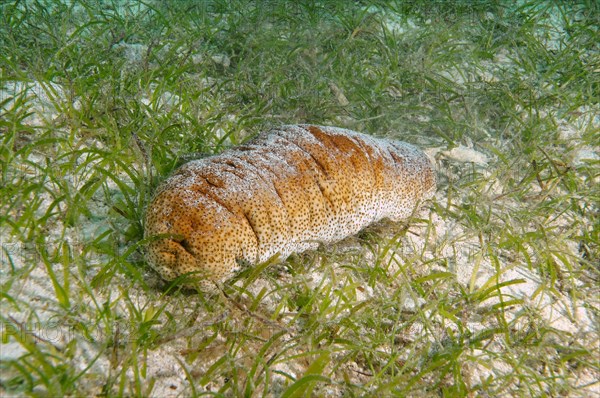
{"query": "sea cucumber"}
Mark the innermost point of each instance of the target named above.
(286, 191)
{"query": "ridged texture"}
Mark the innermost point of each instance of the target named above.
(286, 191)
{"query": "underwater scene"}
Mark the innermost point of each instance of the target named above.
(476, 273)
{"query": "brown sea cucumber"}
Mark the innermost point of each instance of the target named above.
(286, 191)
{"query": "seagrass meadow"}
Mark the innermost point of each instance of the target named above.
(490, 289)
